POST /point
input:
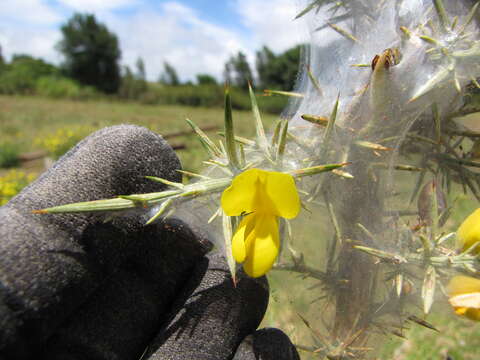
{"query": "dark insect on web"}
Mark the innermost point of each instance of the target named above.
(392, 58)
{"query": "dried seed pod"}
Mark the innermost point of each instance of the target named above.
(425, 206)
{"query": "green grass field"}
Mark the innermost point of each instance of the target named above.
(27, 121)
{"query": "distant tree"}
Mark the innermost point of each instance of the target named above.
(278, 71)
(228, 73)
(169, 75)
(141, 73)
(127, 73)
(2, 60)
(133, 84)
(288, 64)
(141, 76)
(91, 53)
(127, 88)
(237, 71)
(205, 79)
(263, 63)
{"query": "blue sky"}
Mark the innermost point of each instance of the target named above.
(196, 36)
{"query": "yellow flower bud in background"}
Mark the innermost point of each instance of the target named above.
(464, 296)
(262, 196)
(468, 234)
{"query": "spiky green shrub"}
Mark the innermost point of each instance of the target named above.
(375, 150)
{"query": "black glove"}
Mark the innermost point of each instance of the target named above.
(73, 286)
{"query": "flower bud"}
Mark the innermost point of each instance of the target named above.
(468, 234)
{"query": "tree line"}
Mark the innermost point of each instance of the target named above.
(91, 67)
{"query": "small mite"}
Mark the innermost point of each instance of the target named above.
(392, 58)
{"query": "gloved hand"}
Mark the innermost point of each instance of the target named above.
(73, 286)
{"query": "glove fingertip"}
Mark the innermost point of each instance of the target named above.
(267, 344)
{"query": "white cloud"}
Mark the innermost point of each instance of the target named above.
(271, 23)
(176, 34)
(29, 27)
(161, 31)
(30, 41)
(168, 32)
(29, 11)
(97, 5)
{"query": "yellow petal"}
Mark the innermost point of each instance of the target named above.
(460, 310)
(464, 296)
(266, 192)
(262, 246)
(473, 314)
(240, 196)
(280, 188)
(238, 240)
(461, 284)
(470, 300)
(468, 233)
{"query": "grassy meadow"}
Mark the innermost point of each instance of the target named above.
(34, 124)
(28, 121)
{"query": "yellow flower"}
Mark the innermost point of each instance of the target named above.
(262, 196)
(11, 183)
(468, 234)
(464, 296)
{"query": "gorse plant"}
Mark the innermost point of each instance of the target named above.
(63, 139)
(384, 83)
(12, 182)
